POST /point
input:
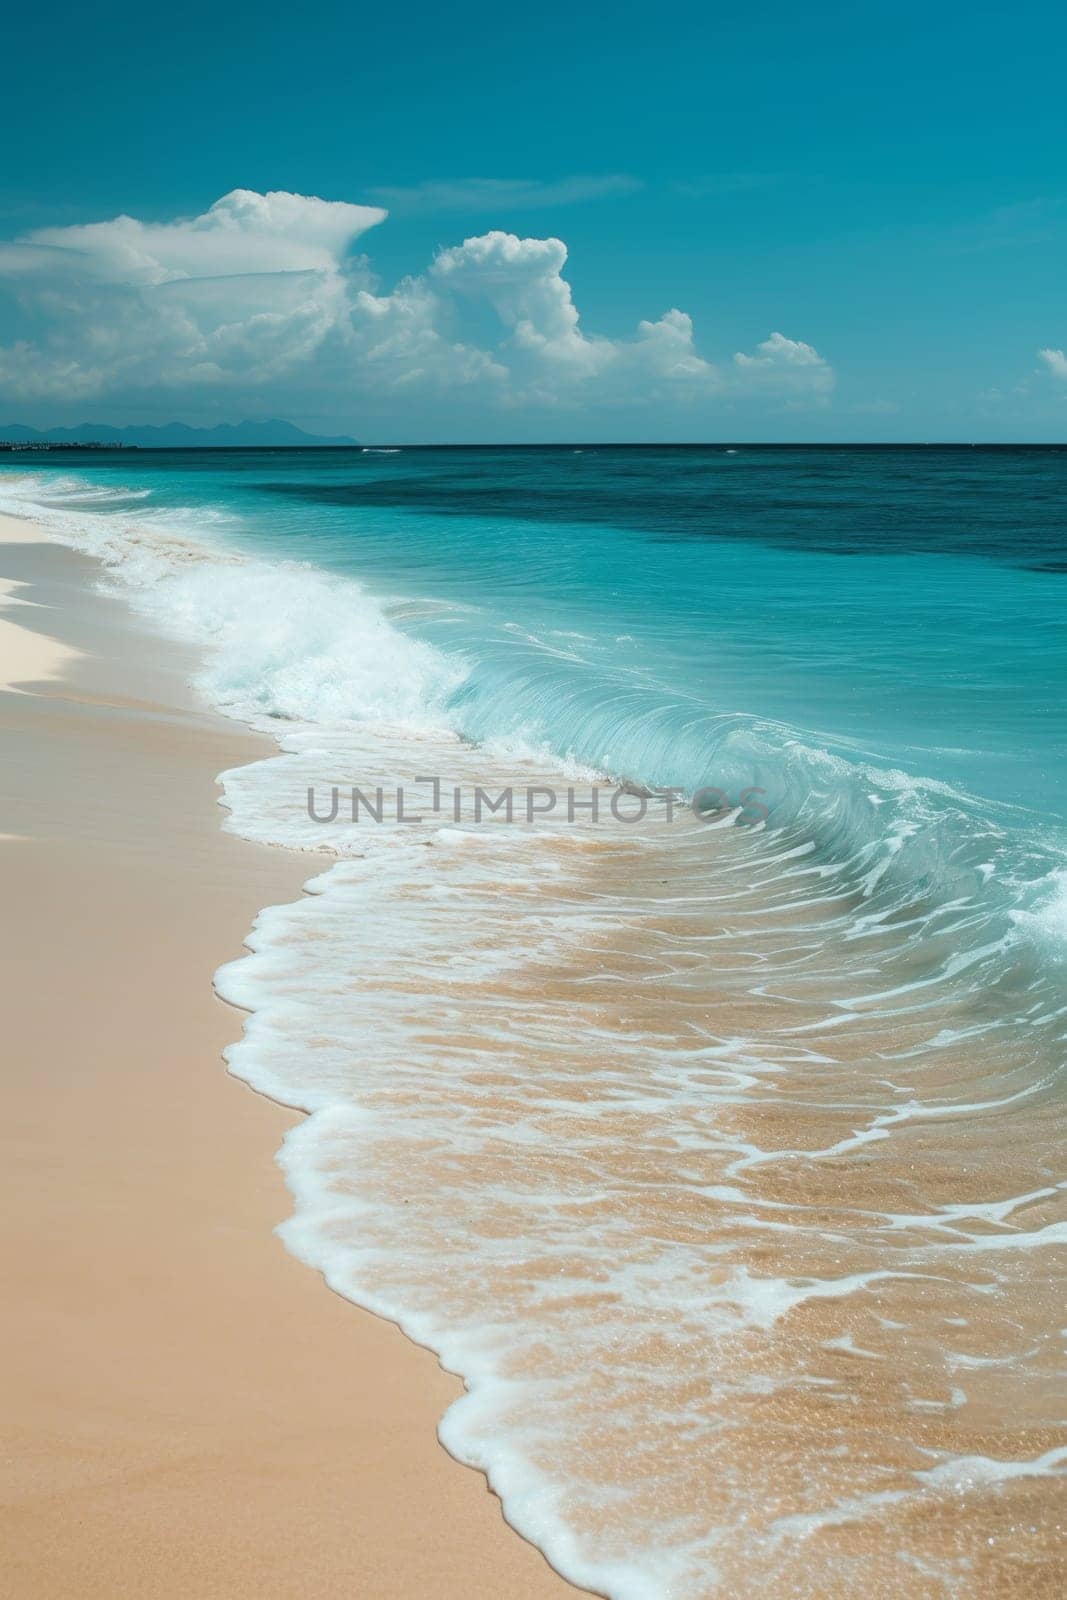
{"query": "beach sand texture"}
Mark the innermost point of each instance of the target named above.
(189, 1411)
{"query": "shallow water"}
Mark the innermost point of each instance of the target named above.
(721, 1154)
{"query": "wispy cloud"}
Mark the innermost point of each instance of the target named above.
(1024, 225)
(502, 194)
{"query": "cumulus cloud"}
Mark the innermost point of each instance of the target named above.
(262, 299)
(666, 347)
(1055, 361)
(786, 364)
(394, 340)
(522, 281)
(549, 357)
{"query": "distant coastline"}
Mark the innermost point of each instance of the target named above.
(269, 432)
(18, 439)
(71, 444)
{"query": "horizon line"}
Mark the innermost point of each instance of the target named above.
(17, 446)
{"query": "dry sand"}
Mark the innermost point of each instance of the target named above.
(190, 1412)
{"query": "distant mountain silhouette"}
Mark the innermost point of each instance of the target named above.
(174, 435)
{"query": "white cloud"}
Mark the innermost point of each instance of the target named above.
(1055, 361)
(234, 298)
(244, 232)
(786, 364)
(394, 339)
(521, 279)
(550, 358)
(261, 300)
(667, 348)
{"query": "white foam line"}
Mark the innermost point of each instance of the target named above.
(963, 1473)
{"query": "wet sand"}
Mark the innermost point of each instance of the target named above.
(190, 1411)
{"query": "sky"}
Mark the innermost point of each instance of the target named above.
(489, 223)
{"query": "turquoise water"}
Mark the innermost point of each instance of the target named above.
(697, 616)
(902, 606)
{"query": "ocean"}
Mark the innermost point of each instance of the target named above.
(682, 1022)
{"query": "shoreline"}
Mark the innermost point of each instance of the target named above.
(206, 1417)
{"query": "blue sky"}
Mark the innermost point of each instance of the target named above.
(882, 187)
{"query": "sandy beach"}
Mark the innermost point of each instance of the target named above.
(190, 1411)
